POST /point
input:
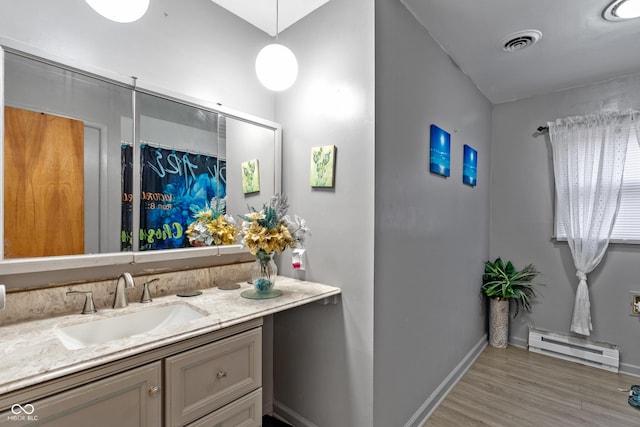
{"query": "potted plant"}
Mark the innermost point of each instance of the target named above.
(501, 283)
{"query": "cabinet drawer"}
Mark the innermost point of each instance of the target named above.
(130, 399)
(244, 412)
(204, 379)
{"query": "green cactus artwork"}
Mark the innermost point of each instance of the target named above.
(322, 166)
(250, 176)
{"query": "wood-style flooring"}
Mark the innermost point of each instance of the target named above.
(515, 387)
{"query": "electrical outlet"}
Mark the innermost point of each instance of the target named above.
(635, 304)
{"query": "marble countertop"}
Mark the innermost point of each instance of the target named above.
(32, 353)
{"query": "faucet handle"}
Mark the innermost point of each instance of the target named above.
(146, 295)
(89, 307)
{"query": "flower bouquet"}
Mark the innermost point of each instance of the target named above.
(212, 226)
(264, 233)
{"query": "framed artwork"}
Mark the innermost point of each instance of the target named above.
(440, 151)
(323, 161)
(469, 166)
(250, 176)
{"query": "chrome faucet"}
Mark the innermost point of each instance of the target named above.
(125, 281)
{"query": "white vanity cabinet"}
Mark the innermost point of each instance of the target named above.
(127, 399)
(211, 380)
(212, 376)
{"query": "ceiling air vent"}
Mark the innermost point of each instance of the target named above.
(520, 40)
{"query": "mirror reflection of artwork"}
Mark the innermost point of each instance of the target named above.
(250, 177)
(469, 166)
(322, 166)
(440, 153)
(126, 222)
(173, 184)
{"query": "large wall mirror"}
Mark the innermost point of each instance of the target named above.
(99, 172)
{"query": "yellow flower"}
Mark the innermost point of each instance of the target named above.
(271, 230)
(211, 232)
(257, 237)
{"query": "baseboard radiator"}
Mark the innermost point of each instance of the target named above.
(597, 354)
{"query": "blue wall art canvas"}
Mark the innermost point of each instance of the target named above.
(469, 166)
(440, 157)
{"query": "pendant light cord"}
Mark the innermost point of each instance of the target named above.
(277, 17)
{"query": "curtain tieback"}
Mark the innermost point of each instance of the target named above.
(581, 275)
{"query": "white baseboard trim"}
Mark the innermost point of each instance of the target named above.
(429, 406)
(628, 369)
(519, 342)
(267, 408)
(290, 416)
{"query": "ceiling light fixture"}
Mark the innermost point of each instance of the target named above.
(621, 10)
(276, 65)
(123, 11)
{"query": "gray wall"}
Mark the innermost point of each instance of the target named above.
(324, 364)
(432, 232)
(522, 219)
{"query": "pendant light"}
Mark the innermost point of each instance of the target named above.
(276, 65)
(123, 11)
(621, 10)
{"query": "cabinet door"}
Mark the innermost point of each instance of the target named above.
(204, 379)
(244, 412)
(129, 399)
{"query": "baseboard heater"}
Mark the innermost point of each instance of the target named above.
(597, 354)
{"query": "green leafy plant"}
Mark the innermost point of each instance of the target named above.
(502, 280)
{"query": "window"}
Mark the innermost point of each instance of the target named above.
(627, 226)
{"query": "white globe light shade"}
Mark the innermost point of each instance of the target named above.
(276, 67)
(628, 9)
(120, 10)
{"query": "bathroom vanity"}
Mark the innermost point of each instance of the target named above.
(203, 371)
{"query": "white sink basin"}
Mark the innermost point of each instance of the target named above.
(146, 320)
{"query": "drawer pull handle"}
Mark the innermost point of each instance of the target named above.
(154, 390)
(221, 374)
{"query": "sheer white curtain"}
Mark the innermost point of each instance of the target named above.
(588, 161)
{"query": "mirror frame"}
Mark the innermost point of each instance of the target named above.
(45, 264)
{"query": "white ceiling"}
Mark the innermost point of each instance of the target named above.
(577, 47)
(262, 13)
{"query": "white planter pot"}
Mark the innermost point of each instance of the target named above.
(499, 323)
